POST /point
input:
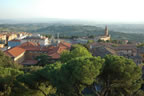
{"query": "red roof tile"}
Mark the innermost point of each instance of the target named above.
(14, 52)
(55, 56)
(53, 51)
(65, 44)
(26, 44)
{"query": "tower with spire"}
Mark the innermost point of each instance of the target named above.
(106, 36)
(106, 31)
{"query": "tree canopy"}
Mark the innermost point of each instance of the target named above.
(119, 77)
(7, 80)
(6, 62)
(76, 73)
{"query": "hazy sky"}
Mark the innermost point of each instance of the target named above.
(93, 10)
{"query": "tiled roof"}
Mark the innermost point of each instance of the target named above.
(102, 51)
(53, 51)
(54, 56)
(14, 52)
(27, 44)
(65, 44)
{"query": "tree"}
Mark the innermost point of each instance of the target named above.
(119, 77)
(7, 62)
(43, 59)
(90, 41)
(7, 80)
(37, 86)
(78, 74)
(76, 51)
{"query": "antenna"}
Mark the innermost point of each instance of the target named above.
(58, 36)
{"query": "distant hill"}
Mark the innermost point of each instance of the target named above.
(70, 30)
(126, 28)
(85, 30)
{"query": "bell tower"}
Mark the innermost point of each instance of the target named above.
(106, 31)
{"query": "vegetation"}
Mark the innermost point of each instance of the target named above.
(119, 77)
(77, 73)
(43, 59)
(69, 31)
(140, 45)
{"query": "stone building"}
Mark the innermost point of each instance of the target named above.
(106, 36)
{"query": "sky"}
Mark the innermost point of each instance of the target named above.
(91, 10)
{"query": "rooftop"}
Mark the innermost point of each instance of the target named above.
(15, 51)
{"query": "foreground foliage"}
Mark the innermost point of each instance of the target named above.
(77, 73)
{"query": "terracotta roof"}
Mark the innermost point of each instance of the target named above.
(26, 44)
(56, 51)
(65, 44)
(14, 52)
(55, 56)
(53, 51)
(37, 48)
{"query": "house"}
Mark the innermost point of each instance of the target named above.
(27, 52)
(14, 43)
(43, 41)
(141, 53)
(127, 50)
(2, 45)
(16, 53)
(102, 51)
(2, 37)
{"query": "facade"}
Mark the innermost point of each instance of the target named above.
(8, 36)
(2, 37)
(14, 43)
(43, 41)
(2, 45)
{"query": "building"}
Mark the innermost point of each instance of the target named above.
(27, 52)
(16, 53)
(2, 37)
(2, 45)
(106, 36)
(14, 43)
(43, 41)
(102, 51)
(129, 51)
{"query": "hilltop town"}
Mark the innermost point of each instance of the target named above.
(24, 47)
(42, 65)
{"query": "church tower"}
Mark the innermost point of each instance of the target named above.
(106, 36)
(106, 31)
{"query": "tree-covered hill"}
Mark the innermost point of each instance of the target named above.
(70, 30)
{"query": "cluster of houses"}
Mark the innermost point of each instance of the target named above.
(25, 47)
(6, 37)
(26, 53)
(130, 51)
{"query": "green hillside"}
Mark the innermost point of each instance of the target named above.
(70, 30)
